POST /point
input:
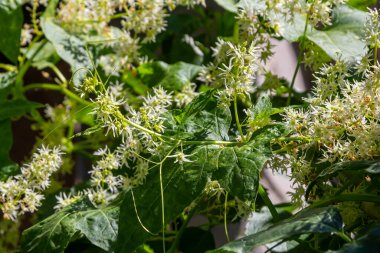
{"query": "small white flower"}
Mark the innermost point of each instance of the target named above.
(180, 157)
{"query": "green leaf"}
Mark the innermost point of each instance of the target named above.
(236, 168)
(8, 171)
(361, 4)
(54, 234)
(362, 167)
(348, 25)
(7, 79)
(6, 142)
(229, 5)
(45, 56)
(99, 226)
(170, 77)
(11, 19)
(16, 108)
(181, 184)
(354, 168)
(70, 48)
(318, 220)
(203, 119)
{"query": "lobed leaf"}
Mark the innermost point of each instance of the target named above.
(16, 108)
(53, 234)
(318, 220)
(70, 48)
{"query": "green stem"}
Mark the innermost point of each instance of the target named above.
(211, 142)
(299, 58)
(162, 198)
(344, 236)
(237, 119)
(347, 197)
(64, 90)
(375, 55)
(58, 73)
(225, 217)
(23, 69)
(34, 18)
(263, 194)
(8, 67)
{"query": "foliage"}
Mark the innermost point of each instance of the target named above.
(159, 117)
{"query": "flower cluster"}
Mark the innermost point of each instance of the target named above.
(234, 68)
(373, 29)
(22, 193)
(141, 21)
(340, 124)
(140, 130)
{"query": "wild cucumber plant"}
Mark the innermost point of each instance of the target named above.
(164, 114)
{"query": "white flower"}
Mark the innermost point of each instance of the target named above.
(180, 157)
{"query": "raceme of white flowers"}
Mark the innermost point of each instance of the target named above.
(234, 69)
(23, 193)
(340, 123)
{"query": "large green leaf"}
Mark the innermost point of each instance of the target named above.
(98, 225)
(348, 26)
(16, 108)
(70, 48)
(11, 19)
(319, 220)
(203, 119)
(182, 183)
(236, 168)
(170, 77)
(361, 4)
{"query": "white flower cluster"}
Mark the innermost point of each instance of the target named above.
(373, 29)
(341, 123)
(139, 131)
(234, 68)
(141, 21)
(186, 95)
(22, 193)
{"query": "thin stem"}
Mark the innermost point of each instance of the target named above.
(344, 236)
(347, 197)
(64, 90)
(137, 215)
(375, 54)
(211, 142)
(225, 218)
(34, 18)
(299, 58)
(268, 203)
(237, 119)
(162, 198)
(24, 68)
(8, 67)
(58, 73)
